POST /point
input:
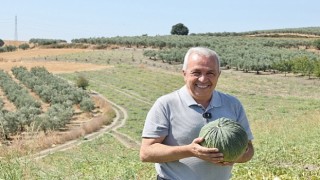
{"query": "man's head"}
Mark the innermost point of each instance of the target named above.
(201, 70)
(202, 51)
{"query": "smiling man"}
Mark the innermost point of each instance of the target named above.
(170, 137)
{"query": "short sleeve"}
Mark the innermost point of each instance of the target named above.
(157, 121)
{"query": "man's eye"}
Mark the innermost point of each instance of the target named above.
(195, 73)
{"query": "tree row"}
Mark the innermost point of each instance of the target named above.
(51, 89)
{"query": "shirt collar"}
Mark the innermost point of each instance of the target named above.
(188, 99)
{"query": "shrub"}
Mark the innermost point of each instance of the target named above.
(24, 46)
(82, 82)
(317, 68)
(86, 104)
(10, 48)
(317, 43)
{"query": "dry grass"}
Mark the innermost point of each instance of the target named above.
(25, 58)
(52, 66)
(14, 43)
(35, 53)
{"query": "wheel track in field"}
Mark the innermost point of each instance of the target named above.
(118, 122)
(126, 93)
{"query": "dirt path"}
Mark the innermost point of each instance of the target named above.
(118, 121)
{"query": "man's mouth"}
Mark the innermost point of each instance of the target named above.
(202, 86)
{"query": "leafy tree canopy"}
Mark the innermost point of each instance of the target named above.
(1, 42)
(179, 29)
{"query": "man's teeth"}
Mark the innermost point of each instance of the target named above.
(202, 86)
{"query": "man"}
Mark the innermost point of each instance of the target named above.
(170, 136)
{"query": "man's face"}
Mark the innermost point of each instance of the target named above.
(201, 76)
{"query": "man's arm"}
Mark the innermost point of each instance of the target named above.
(152, 150)
(247, 155)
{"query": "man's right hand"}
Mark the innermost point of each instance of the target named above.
(207, 154)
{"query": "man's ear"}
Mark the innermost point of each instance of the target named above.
(184, 75)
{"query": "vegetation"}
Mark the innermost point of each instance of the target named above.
(28, 107)
(179, 29)
(286, 32)
(11, 48)
(8, 48)
(24, 46)
(53, 90)
(257, 54)
(46, 41)
(283, 111)
(1, 42)
(317, 44)
(82, 82)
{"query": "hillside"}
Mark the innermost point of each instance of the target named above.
(275, 106)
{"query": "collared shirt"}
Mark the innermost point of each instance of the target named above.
(178, 118)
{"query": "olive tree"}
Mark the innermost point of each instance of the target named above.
(317, 43)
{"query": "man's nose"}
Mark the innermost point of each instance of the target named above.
(202, 77)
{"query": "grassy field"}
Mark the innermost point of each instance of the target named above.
(284, 113)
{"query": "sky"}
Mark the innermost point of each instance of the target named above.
(73, 19)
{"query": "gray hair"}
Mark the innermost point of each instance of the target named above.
(201, 51)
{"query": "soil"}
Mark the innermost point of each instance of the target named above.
(36, 52)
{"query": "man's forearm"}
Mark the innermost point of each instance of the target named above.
(159, 153)
(247, 155)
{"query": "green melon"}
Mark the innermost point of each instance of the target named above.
(227, 135)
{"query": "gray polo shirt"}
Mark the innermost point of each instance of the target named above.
(178, 117)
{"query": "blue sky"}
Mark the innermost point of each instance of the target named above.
(71, 19)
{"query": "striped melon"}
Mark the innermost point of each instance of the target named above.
(227, 135)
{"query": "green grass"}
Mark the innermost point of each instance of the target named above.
(103, 158)
(284, 114)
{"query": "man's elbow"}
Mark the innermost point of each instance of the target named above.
(247, 156)
(144, 156)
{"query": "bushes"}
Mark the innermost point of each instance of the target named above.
(16, 93)
(46, 41)
(11, 48)
(57, 116)
(317, 44)
(8, 48)
(51, 89)
(24, 46)
(317, 69)
(86, 104)
(82, 82)
(302, 65)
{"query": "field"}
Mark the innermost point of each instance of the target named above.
(284, 114)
